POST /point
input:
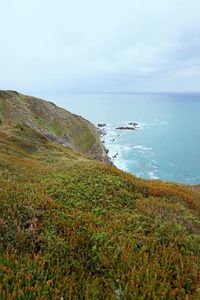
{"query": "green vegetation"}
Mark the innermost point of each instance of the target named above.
(75, 228)
(58, 128)
(50, 121)
(84, 139)
(41, 122)
(2, 106)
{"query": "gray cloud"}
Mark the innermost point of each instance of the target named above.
(99, 46)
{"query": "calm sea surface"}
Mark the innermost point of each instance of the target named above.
(167, 144)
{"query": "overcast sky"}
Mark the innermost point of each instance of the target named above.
(99, 46)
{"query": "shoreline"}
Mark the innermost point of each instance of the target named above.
(103, 130)
(136, 157)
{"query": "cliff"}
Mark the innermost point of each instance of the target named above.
(52, 122)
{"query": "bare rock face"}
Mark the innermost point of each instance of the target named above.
(54, 123)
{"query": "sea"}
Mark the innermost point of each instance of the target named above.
(166, 144)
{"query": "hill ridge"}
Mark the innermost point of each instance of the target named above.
(55, 123)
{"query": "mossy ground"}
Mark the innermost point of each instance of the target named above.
(74, 228)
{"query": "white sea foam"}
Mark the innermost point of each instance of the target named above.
(122, 164)
(143, 124)
(152, 175)
(141, 147)
(113, 133)
(192, 178)
(139, 159)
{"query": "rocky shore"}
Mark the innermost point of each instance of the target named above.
(103, 129)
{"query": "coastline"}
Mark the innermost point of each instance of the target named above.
(103, 131)
(139, 158)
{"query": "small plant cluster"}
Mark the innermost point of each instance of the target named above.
(72, 228)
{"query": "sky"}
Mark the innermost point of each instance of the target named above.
(108, 46)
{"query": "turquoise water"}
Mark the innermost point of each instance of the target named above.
(167, 144)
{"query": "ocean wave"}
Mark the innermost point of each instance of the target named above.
(122, 164)
(134, 158)
(143, 124)
(137, 159)
(141, 147)
(192, 178)
(152, 175)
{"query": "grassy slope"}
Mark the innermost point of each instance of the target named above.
(79, 229)
(51, 121)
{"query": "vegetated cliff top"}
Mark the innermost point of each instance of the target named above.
(76, 228)
(52, 122)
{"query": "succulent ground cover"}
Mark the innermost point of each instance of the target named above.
(79, 229)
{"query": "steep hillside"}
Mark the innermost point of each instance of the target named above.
(76, 228)
(52, 122)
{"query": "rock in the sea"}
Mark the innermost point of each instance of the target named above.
(107, 151)
(126, 128)
(133, 124)
(114, 156)
(101, 125)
